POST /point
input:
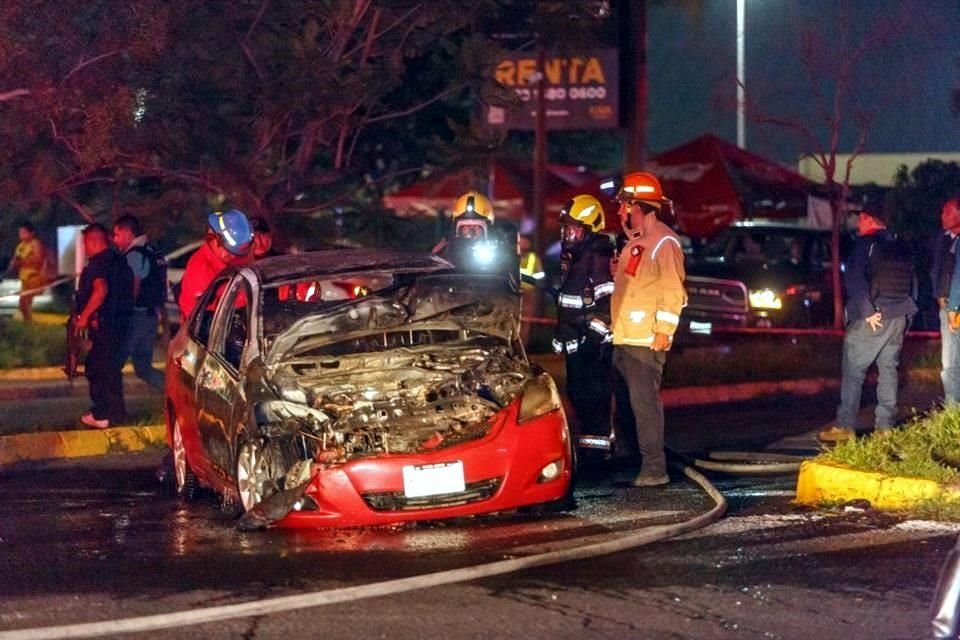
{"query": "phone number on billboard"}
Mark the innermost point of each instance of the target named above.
(562, 93)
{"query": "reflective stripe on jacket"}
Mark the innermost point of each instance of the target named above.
(648, 295)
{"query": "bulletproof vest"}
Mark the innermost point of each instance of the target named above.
(153, 288)
(890, 269)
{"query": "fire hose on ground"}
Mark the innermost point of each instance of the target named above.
(742, 463)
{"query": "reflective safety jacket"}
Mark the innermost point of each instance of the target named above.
(530, 267)
(649, 294)
(583, 299)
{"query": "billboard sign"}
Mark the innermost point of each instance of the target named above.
(580, 91)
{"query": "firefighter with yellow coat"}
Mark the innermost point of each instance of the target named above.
(648, 296)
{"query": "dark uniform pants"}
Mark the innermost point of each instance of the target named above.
(103, 370)
(589, 387)
(642, 372)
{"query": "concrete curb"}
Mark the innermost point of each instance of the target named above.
(77, 444)
(818, 483)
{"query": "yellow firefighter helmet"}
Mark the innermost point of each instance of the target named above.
(473, 204)
(584, 210)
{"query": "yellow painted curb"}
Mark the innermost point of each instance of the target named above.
(819, 483)
(78, 444)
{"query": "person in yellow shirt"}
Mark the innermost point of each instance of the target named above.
(29, 260)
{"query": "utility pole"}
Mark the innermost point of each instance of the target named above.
(633, 81)
(540, 153)
(741, 76)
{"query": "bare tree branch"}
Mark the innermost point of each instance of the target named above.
(418, 106)
(66, 143)
(345, 196)
(91, 61)
(248, 54)
(13, 93)
(390, 27)
(80, 208)
(256, 21)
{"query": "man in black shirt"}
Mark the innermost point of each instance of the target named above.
(104, 305)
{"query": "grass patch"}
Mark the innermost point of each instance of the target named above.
(927, 448)
(31, 345)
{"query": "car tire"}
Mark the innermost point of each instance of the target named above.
(254, 473)
(186, 486)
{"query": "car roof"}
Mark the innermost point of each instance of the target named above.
(337, 261)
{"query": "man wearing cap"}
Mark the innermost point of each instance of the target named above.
(881, 288)
(228, 241)
(648, 296)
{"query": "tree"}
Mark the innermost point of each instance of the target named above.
(918, 195)
(830, 61)
(261, 104)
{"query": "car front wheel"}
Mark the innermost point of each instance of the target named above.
(255, 478)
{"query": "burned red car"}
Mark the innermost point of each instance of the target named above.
(362, 387)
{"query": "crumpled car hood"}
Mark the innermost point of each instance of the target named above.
(479, 304)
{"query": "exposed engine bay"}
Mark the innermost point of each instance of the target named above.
(406, 400)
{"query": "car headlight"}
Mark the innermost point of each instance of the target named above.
(540, 396)
(765, 299)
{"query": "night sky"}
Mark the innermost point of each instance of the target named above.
(906, 81)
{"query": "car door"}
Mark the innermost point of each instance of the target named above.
(221, 399)
(188, 353)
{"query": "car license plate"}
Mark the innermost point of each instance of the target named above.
(433, 479)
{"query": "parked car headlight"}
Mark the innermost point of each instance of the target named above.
(765, 299)
(540, 396)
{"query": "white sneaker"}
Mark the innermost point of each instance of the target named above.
(90, 421)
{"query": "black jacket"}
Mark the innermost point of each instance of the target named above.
(583, 299)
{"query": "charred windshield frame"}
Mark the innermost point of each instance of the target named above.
(443, 306)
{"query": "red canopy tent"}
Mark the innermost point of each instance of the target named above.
(713, 182)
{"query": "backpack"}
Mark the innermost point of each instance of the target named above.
(890, 269)
(153, 288)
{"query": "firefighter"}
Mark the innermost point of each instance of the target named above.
(475, 245)
(228, 241)
(648, 297)
(583, 317)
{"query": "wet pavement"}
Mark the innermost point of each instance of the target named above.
(95, 539)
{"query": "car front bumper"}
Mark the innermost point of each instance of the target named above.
(501, 472)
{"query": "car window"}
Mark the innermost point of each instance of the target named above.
(820, 253)
(234, 318)
(203, 320)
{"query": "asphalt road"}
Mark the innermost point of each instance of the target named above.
(95, 540)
